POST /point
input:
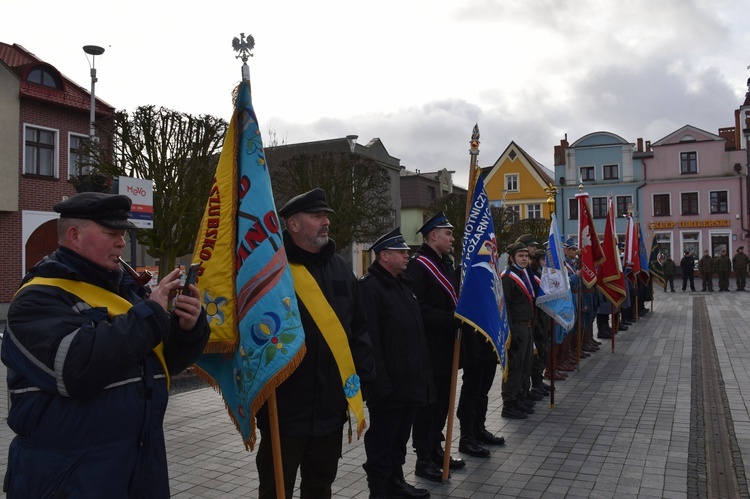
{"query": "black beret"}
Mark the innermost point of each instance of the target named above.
(528, 240)
(309, 202)
(540, 253)
(437, 221)
(109, 210)
(392, 240)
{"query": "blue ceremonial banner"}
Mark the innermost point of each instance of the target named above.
(481, 303)
(245, 282)
(643, 254)
(555, 297)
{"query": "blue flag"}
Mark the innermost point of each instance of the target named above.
(245, 282)
(643, 254)
(481, 303)
(555, 297)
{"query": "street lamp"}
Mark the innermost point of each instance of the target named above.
(93, 51)
(352, 139)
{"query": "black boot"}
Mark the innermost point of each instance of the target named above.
(437, 456)
(469, 445)
(485, 436)
(378, 487)
(398, 487)
(425, 468)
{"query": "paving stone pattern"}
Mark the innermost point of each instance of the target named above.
(621, 426)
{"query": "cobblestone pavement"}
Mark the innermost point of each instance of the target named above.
(621, 426)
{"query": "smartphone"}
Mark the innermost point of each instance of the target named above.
(190, 277)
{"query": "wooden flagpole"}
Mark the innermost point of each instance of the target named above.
(474, 152)
(278, 470)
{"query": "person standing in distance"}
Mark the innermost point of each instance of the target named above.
(740, 263)
(89, 354)
(687, 264)
(404, 376)
(312, 405)
(435, 285)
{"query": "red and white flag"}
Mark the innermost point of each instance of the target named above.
(632, 251)
(588, 242)
(611, 279)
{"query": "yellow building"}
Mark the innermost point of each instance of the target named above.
(517, 181)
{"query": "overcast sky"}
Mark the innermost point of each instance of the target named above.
(415, 73)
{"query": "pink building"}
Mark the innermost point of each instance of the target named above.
(695, 195)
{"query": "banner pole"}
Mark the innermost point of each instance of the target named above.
(278, 470)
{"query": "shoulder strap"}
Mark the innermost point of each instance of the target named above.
(98, 298)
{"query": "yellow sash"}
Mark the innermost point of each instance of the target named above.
(330, 327)
(97, 297)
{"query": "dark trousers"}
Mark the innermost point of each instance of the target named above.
(385, 440)
(708, 282)
(316, 457)
(430, 420)
(688, 276)
(741, 280)
(724, 280)
(519, 361)
(669, 282)
(477, 381)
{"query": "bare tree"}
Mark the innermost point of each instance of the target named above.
(357, 188)
(178, 153)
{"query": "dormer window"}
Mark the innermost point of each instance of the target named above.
(45, 77)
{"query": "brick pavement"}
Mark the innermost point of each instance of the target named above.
(621, 426)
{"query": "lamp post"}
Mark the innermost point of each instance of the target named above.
(93, 51)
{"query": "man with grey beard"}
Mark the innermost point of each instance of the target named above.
(312, 405)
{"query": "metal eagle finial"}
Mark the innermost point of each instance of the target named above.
(243, 46)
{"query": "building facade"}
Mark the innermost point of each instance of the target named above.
(44, 119)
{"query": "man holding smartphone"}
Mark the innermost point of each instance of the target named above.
(89, 354)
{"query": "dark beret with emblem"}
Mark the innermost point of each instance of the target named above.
(393, 240)
(514, 248)
(108, 210)
(540, 253)
(308, 202)
(437, 221)
(528, 240)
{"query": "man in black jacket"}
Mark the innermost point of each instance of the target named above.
(89, 353)
(404, 378)
(687, 264)
(311, 403)
(436, 287)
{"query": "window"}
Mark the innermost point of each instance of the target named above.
(661, 205)
(689, 203)
(76, 159)
(610, 172)
(688, 162)
(599, 207)
(39, 152)
(511, 183)
(719, 201)
(45, 77)
(431, 193)
(534, 211)
(623, 203)
(587, 173)
(516, 209)
(573, 209)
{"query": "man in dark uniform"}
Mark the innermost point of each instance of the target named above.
(670, 269)
(542, 326)
(740, 262)
(312, 404)
(436, 288)
(519, 299)
(404, 377)
(706, 270)
(687, 264)
(724, 268)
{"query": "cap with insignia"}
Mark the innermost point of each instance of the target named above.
(108, 210)
(309, 202)
(437, 221)
(570, 243)
(528, 240)
(540, 253)
(514, 248)
(391, 241)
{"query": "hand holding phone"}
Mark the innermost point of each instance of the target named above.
(191, 275)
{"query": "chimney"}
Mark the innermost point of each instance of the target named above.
(639, 148)
(560, 151)
(648, 146)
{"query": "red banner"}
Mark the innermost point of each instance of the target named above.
(588, 242)
(611, 279)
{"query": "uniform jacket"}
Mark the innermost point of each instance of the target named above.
(706, 264)
(519, 301)
(687, 264)
(88, 394)
(437, 307)
(402, 360)
(311, 402)
(723, 264)
(669, 267)
(740, 262)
